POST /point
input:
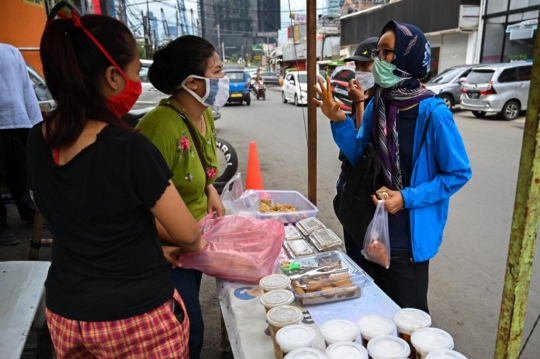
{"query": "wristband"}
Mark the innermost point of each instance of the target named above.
(357, 102)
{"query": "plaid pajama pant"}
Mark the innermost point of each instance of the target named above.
(156, 334)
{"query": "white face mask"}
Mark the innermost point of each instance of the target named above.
(217, 91)
(365, 79)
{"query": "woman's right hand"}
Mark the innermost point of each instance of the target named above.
(355, 91)
(329, 107)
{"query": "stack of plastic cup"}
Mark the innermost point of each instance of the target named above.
(407, 321)
(274, 282)
(339, 330)
(346, 350)
(426, 340)
(445, 354)
(295, 336)
(372, 326)
(280, 317)
(305, 353)
(275, 298)
(388, 347)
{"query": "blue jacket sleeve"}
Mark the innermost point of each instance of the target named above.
(448, 166)
(350, 142)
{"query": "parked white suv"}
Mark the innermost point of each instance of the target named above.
(502, 88)
(295, 87)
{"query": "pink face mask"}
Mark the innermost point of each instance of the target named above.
(124, 101)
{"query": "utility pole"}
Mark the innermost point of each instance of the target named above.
(193, 29)
(218, 39)
(223, 50)
(147, 46)
(311, 30)
(177, 23)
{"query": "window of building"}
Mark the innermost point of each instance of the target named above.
(519, 4)
(493, 39)
(494, 6)
(522, 16)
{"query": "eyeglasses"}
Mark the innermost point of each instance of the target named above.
(382, 54)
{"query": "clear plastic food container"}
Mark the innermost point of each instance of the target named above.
(299, 248)
(325, 240)
(339, 330)
(445, 354)
(304, 208)
(327, 277)
(309, 225)
(346, 350)
(292, 233)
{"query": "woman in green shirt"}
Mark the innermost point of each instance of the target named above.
(182, 128)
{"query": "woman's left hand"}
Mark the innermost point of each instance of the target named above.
(393, 204)
(171, 255)
(214, 201)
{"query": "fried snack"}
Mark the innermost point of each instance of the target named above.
(382, 193)
(266, 206)
(377, 253)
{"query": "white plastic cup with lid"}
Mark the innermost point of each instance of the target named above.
(374, 325)
(388, 347)
(274, 282)
(407, 321)
(280, 317)
(295, 336)
(305, 353)
(346, 350)
(426, 340)
(445, 354)
(275, 298)
(339, 330)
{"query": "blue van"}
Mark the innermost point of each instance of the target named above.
(238, 85)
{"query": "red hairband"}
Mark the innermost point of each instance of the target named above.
(77, 23)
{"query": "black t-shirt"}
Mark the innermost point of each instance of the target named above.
(107, 262)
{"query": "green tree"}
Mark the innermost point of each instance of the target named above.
(142, 50)
(233, 59)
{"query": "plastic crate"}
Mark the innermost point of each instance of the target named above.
(305, 208)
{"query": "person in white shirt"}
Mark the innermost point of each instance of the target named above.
(19, 111)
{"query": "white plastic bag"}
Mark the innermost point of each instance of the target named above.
(377, 239)
(236, 201)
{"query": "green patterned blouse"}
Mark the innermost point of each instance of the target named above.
(166, 129)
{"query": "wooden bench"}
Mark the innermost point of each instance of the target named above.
(22, 307)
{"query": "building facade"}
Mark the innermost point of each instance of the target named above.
(452, 33)
(509, 30)
(234, 26)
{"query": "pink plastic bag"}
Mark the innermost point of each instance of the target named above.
(240, 248)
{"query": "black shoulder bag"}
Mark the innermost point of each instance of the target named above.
(353, 204)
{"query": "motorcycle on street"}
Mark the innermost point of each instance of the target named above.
(258, 87)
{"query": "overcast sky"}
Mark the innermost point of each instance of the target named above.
(169, 8)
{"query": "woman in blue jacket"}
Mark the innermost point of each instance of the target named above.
(421, 175)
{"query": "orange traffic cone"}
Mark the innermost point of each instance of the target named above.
(253, 173)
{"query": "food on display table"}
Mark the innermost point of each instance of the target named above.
(325, 277)
(266, 206)
(280, 317)
(275, 298)
(388, 347)
(292, 233)
(426, 340)
(374, 325)
(274, 282)
(339, 330)
(325, 240)
(309, 225)
(408, 320)
(348, 350)
(298, 248)
(294, 337)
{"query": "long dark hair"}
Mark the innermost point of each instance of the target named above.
(73, 64)
(187, 55)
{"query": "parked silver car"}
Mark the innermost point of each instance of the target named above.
(447, 84)
(502, 88)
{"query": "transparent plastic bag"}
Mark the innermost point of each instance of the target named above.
(240, 248)
(236, 201)
(377, 239)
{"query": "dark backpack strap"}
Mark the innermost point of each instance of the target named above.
(192, 133)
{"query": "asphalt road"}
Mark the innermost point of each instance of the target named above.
(468, 273)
